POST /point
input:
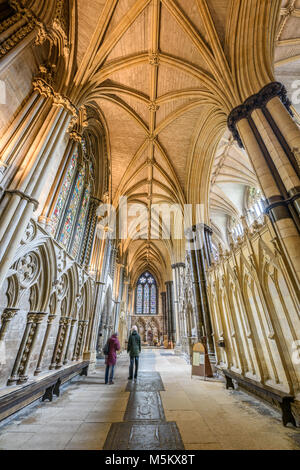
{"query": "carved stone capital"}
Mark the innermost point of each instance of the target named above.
(50, 319)
(23, 196)
(9, 313)
(35, 317)
(41, 86)
(257, 101)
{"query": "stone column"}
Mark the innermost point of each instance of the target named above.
(201, 255)
(264, 126)
(197, 292)
(6, 317)
(164, 312)
(170, 311)
(94, 336)
(176, 280)
(120, 294)
(38, 369)
(99, 262)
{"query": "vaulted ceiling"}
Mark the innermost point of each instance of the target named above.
(154, 68)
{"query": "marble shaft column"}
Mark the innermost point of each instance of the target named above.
(197, 292)
(59, 340)
(120, 294)
(201, 255)
(164, 312)
(170, 311)
(176, 280)
(50, 320)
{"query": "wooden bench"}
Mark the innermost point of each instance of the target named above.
(45, 388)
(283, 400)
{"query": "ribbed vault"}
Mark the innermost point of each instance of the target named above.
(165, 74)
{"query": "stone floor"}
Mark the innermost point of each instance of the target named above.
(193, 414)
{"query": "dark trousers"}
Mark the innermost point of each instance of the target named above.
(133, 360)
(111, 376)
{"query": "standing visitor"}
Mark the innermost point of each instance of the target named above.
(113, 346)
(134, 349)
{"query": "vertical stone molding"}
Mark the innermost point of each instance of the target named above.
(50, 320)
(202, 260)
(170, 312)
(164, 312)
(196, 291)
(177, 280)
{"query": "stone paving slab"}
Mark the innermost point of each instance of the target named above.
(144, 406)
(146, 381)
(144, 436)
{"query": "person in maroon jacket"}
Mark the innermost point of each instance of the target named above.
(111, 358)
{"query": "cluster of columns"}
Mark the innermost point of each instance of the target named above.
(199, 253)
(263, 125)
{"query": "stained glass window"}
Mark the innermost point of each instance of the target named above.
(146, 299)
(72, 210)
(81, 222)
(153, 299)
(146, 295)
(139, 300)
(63, 194)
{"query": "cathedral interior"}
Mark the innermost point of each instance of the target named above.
(150, 176)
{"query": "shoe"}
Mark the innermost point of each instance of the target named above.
(111, 382)
(129, 378)
(135, 378)
(106, 383)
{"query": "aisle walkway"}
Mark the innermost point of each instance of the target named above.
(164, 407)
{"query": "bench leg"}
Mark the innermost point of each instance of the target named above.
(48, 395)
(56, 390)
(84, 371)
(287, 415)
(229, 382)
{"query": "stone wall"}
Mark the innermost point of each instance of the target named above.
(49, 293)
